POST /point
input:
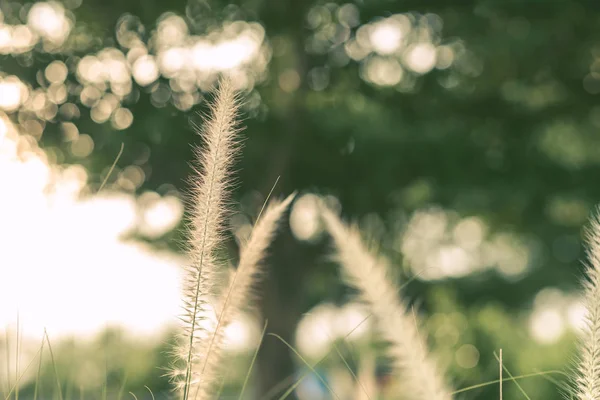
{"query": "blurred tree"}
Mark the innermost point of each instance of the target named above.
(488, 108)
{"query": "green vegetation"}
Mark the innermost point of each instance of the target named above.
(462, 138)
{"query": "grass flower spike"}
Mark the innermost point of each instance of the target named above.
(364, 271)
(587, 381)
(210, 192)
(239, 291)
(201, 341)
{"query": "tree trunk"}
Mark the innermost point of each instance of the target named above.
(284, 288)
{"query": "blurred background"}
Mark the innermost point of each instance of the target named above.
(460, 136)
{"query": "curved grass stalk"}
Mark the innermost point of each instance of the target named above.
(210, 191)
(419, 371)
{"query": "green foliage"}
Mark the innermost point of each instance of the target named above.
(507, 133)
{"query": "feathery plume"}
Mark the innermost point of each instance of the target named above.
(210, 191)
(239, 290)
(587, 379)
(407, 349)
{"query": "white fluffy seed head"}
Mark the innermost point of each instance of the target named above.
(238, 294)
(368, 273)
(210, 193)
(587, 377)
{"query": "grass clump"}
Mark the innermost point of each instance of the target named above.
(198, 355)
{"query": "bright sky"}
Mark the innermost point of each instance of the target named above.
(66, 262)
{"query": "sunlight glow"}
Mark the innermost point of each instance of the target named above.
(546, 326)
(383, 71)
(228, 53)
(576, 314)
(145, 70)
(386, 36)
(104, 80)
(438, 244)
(159, 214)
(68, 262)
(550, 312)
(421, 57)
(394, 48)
(11, 92)
(242, 334)
(304, 218)
(326, 323)
(48, 19)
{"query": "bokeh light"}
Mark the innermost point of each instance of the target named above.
(439, 244)
(462, 144)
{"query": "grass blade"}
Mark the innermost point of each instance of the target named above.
(314, 371)
(60, 396)
(262, 336)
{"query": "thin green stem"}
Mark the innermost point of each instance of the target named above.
(262, 336)
(305, 363)
(514, 378)
(54, 366)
